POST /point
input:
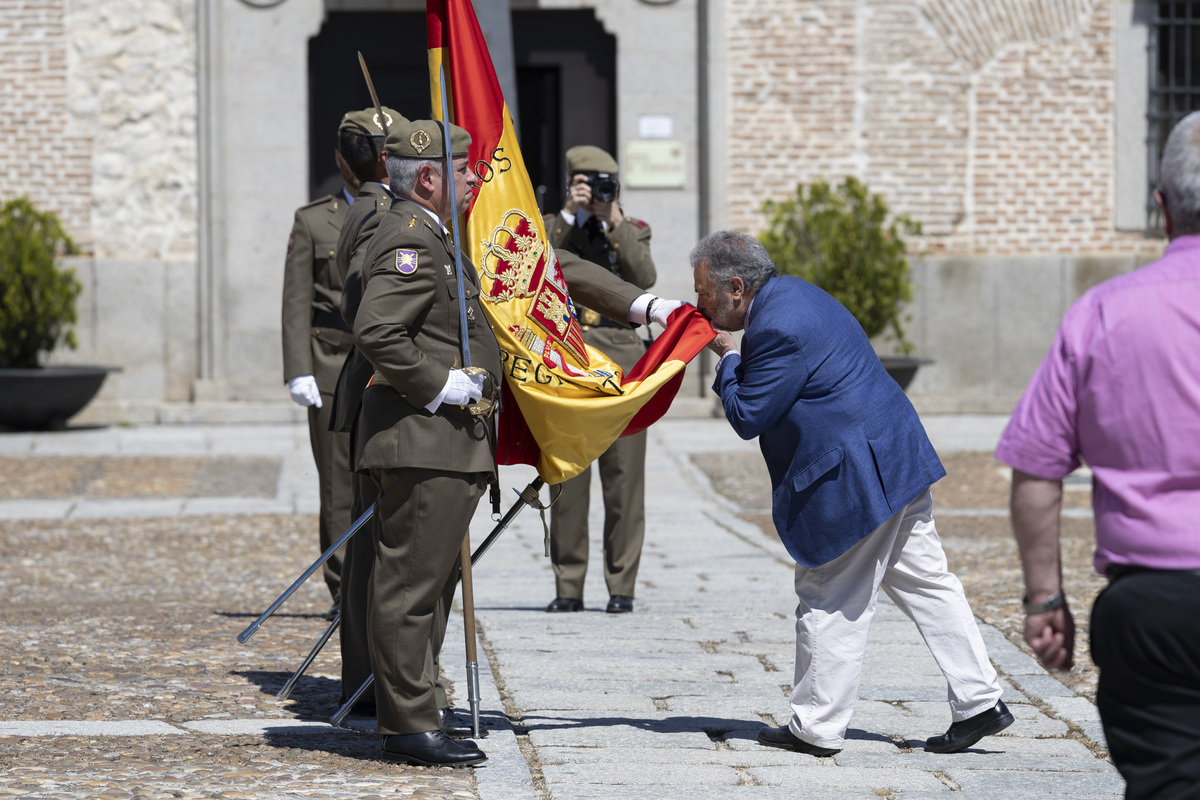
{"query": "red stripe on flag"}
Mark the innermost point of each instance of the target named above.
(688, 332)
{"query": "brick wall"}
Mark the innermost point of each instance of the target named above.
(992, 126)
(43, 154)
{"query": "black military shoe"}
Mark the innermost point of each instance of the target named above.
(619, 604)
(430, 749)
(962, 735)
(783, 738)
(455, 726)
(561, 604)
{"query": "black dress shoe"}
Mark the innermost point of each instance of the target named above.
(561, 604)
(455, 726)
(962, 735)
(784, 738)
(619, 604)
(430, 749)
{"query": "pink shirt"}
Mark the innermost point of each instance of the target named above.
(1120, 389)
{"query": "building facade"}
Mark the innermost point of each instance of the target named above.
(175, 138)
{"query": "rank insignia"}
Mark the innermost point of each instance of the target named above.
(406, 261)
(471, 316)
(449, 270)
(412, 223)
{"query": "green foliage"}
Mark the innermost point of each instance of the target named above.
(37, 297)
(840, 238)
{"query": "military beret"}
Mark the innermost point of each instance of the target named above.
(589, 158)
(423, 138)
(367, 121)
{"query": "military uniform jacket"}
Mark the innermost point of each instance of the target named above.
(408, 327)
(312, 292)
(624, 251)
(370, 205)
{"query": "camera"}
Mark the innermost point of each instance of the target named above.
(604, 187)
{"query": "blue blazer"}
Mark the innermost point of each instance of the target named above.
(843, 444)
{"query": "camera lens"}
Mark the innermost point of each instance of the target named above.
(604, 187)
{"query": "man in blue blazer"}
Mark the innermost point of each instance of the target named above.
(850, 469)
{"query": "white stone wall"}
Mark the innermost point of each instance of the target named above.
(132, 66)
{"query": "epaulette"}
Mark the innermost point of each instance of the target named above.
(318, 201)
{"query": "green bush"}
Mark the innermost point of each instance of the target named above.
(37, 297)
(841, 239)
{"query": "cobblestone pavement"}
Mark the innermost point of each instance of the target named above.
(121, 677)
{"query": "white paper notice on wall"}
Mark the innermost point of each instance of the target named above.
(655, 164)
(655, 126)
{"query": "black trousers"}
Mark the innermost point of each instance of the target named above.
(1145, 638)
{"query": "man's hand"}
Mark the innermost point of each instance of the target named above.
(608, 213)
(661, 308)
(579, 194)
(1052, 637)
(723, 343)
(304, 391)
(462, 388)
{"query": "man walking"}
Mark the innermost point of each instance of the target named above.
(850, 468)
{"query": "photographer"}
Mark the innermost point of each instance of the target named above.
(593, 226)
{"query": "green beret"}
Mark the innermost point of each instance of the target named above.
(589, 158)
(424, 139)
(367, 121)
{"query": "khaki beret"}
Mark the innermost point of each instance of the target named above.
(423, 138)
(367, 121)
(589, 158)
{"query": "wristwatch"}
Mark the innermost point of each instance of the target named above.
(1056, 600)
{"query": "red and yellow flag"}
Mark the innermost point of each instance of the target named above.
(564, 402)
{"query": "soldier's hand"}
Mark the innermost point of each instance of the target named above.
(304, 391)
(579, 193)
(608, 213)
(661, 308)
(462, 389)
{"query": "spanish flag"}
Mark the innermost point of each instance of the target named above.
(564, 402)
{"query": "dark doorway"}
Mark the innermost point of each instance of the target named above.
(566, 86)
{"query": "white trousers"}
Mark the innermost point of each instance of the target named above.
(904, 557)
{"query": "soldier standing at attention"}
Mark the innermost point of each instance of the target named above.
(593, 226)
(315, 343)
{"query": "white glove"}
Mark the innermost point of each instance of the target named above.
(304, 391)
(462, 388)
(661, 308)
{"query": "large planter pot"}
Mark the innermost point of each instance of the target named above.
(45, 398)
(903, 368)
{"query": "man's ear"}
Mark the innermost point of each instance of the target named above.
(737, 287)
(1168, 223)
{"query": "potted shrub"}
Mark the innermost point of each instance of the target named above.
(37, 312)
(842, 239)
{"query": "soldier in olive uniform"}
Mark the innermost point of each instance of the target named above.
(592, 225)
(360, 141)
(315, 343)
(429, 457)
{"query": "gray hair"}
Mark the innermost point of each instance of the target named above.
(728, 254)
(402, 173)
(1179, 176)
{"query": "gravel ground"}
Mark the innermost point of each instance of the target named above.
(132, 619)
(980, 549)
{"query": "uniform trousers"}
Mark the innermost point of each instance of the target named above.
(623, 484)
(331, 453)
(837, 601)
(421, 521)
(1145, 638)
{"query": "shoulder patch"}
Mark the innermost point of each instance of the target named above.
(406, 261)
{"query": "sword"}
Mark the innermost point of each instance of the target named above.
(487, 403)
(362, 62)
